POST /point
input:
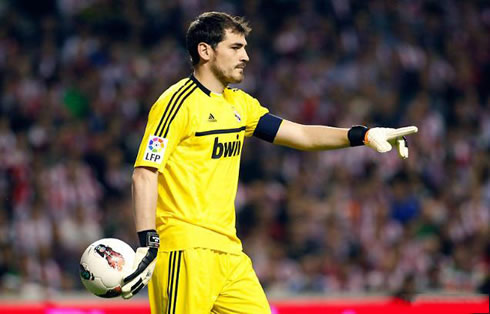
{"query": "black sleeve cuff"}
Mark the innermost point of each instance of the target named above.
(267, 127)
(356, 135)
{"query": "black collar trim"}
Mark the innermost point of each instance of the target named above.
(202, 87)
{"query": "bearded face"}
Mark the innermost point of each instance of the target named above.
(230, 58)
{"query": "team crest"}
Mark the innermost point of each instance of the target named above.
(113, 258)
(237, 116)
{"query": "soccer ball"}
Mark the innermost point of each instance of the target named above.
(103, 266)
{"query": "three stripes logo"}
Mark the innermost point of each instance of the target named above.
(174, 260)
(173, 107)
(212, 118)
(158, 141)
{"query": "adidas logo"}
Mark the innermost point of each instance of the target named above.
(212, 118)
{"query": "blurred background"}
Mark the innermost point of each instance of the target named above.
(77, 79)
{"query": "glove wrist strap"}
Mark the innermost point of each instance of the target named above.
(356, 135)
(149, 238)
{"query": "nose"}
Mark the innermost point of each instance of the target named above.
(244, 57)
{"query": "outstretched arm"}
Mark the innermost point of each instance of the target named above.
(311, 137)
(316, 137)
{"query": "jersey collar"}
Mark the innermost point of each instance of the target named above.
(202, 87)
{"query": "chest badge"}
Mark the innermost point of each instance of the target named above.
(211, 118)
(237, 116)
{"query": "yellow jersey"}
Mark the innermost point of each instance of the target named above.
(195, 138)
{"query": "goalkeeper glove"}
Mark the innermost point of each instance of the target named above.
(143, 265)
(382, 139)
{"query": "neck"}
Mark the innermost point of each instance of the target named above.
(209, 80)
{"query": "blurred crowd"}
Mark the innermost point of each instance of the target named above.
(77, 79)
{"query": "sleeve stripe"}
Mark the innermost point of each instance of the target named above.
(168, 106)
(167, 116)
(177, 110)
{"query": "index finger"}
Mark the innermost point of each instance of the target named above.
(402, 132)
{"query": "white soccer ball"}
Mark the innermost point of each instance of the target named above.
(103, 266)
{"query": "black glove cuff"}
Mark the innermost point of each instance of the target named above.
(356, 135)
(149, 238)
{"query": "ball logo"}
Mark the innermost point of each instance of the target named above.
(155, 145)
(115, 292)
(85, 273)
(113, 258)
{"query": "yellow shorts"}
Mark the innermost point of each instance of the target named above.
(200, 280)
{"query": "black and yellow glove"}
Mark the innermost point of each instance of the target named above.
(143, 265)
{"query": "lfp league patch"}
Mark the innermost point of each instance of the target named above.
(155, 149)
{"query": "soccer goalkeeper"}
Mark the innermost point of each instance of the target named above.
(186, 175)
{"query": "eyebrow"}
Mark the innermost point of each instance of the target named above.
(238, 44)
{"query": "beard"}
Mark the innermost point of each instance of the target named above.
(222, 76)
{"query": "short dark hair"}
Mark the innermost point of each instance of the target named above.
(210, 27)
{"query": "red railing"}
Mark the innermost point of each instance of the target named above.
(309, 306)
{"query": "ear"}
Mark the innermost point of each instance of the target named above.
(205, 51)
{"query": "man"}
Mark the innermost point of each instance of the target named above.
(186, 176)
